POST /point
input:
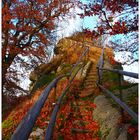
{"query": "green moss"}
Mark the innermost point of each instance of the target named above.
(123, 87)
(110, 77)
(43, 80)
(66, 68)
(7, 123)
(60, 137)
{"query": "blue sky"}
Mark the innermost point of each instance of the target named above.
(89, 22)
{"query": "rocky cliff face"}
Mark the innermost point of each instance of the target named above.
(66, 53)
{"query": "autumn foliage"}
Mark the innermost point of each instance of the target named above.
(65, 118)
(28, 29)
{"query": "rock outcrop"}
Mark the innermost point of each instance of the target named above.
(108, 116)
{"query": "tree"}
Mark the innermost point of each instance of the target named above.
(115, 17)
(27, 30)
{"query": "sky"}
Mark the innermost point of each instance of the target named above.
(91, 22)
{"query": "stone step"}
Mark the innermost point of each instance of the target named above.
(77, 130)
(90, 79)
(79, 114)
(93, 78)
(89, 83)
(95, 74)
(80, 122)
(85, 106)
(86, 95)
(95, 71)
(93, 81)
(88, 90)
(91, 74)
(90, 86)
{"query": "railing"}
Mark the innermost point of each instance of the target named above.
(26, 125)
(110, 94)
(100, 65)
(50, 128)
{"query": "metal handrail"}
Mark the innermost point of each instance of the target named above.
(100, 65)
(130, 74)
(120, 72)
(49, 131)
(122, 104)
(25, 127)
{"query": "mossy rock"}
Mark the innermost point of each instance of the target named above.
(43, 80)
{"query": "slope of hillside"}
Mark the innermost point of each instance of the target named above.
(81, 115)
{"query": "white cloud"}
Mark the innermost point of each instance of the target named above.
(131, 68)
(122, 57)
(67, 27)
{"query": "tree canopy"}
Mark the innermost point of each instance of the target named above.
(28, 28)
(115, 18)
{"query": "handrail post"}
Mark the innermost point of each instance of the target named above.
(25, 127)
(54, 98)
(88, 52)
(100, 66)
(121, 93)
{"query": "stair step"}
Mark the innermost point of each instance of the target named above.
(83, 106)
(93, 69)
(88, 90)
(92, 72)
(80, 122)
(91, 76)
(91, 79)
(89, 86)
(89, 83)
(79, 114)
(85, 95)
(77, 130)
